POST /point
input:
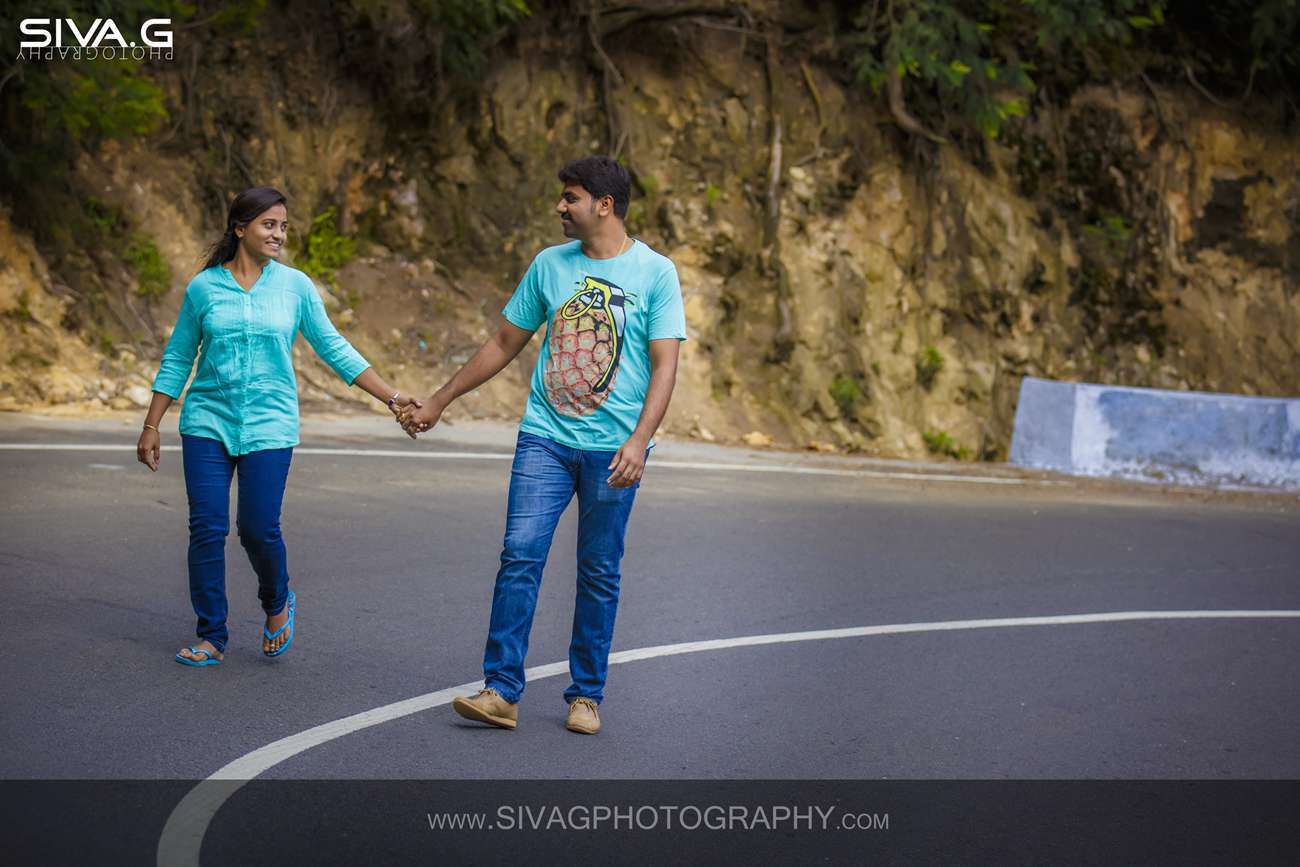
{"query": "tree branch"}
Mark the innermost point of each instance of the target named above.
(594, 17)
(1191, 77)
(898, 108)
(14, 70)
(610, 78)
(622, 17)
(783, 341)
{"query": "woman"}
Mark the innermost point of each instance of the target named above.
(240, 316)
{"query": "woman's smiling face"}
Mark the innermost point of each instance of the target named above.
(264, 236)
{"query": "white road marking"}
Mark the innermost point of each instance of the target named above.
(505, 456)
(861, 474)
(182, 836)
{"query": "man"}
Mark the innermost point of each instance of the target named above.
(614, 321)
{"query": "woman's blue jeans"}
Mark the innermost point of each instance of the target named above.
(543, 480)
(262, 475)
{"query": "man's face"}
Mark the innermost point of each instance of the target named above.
(264, 237)
(580, 214)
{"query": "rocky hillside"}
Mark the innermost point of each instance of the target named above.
(849, 285)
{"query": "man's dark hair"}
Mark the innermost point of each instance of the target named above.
(601, 176)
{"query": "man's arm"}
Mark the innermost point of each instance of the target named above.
(629, 460)
(492, 357)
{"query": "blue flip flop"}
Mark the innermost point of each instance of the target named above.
(198, 663)
(288, 624)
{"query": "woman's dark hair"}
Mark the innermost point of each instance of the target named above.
(243, 210)
(601, 176)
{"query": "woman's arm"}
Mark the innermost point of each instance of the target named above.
(373, 384)
(173, 372)
(148, 450)
(332, 347)
(335, 350)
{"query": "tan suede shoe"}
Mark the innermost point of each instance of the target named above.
(583, 717)
(489, 707)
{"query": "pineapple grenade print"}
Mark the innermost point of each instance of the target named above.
(586, 344)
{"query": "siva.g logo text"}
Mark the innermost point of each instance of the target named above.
(63, 39)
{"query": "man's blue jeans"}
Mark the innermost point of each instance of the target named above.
(262, 476)
(543, 480)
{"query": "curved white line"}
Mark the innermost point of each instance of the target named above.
(182, 836)
(505, 456)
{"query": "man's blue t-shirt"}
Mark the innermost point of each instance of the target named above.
(601, 314)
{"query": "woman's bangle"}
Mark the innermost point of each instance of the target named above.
(148, 426)
(392, 400)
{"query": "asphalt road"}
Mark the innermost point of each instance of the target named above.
(393, 559)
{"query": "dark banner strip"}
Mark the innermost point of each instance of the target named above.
(638, 821)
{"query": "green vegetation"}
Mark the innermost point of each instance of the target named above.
(1269, 30)
(325, 250)
(954, 67)
(1112, 231)
(105, 219)
(466, 25)
(712, 195)
(23, 311)
(239, 16)
(847, 394)
(928, 365)
(417, 49)
(649, 185)
(113, 230)
(936, 47)
(27, 358)
(91, 101)
(54, 107)
(150, 269)
(938, 442)
(636, 217)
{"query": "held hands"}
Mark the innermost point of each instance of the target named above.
(401, 405)
(628, 463)
(627, 466)
(149, 449)
(420, 418)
